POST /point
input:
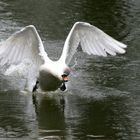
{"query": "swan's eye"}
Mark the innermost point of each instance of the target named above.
(67, 71)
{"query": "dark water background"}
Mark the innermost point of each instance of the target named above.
(103, 97)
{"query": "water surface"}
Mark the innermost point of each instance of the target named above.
(102, 101)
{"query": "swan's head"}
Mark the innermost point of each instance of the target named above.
(65, 78)
(65, 74)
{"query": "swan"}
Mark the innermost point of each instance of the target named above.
(24, 50)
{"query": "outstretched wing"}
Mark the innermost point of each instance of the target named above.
(92, 40)
(23, 52)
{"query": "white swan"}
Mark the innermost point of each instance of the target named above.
(26, 46)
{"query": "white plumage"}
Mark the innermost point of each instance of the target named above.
(26, 48)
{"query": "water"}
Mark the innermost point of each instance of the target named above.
(102, 101)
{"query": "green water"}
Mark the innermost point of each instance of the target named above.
(103, 100)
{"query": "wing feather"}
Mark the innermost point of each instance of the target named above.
(23, 48)
(92, 40)
(25, 44)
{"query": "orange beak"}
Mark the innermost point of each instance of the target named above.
(65, 78)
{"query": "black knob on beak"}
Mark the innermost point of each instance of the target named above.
(65, 78)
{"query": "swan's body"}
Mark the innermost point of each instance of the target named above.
(50, 78)
(25, 47)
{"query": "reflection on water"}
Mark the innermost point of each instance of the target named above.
(102, 101)
(106, 117)
(17, 116)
